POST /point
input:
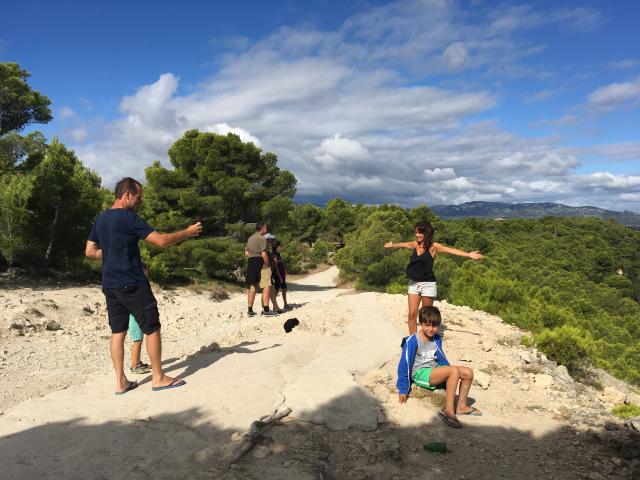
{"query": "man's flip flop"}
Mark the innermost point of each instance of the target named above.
(130, 387)
(453, 422)
(474, 412)
(174, 384)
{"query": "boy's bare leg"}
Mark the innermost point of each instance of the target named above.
(284, 297)
(251, 296)
(116, 347)
(451, 376)
(466, 378)
(412, 319)
(154, 349)
(136, 349)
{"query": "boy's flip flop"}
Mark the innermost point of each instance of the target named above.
(177, 382)
(129, 387)
(453, 422)
(474, 412)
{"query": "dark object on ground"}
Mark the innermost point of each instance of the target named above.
(291, 324)
(436, 447)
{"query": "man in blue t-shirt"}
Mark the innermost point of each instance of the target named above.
(114, 240)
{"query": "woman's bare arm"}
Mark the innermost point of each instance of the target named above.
(400, 245)
(475, 255)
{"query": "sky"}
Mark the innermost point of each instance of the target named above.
(408, 102)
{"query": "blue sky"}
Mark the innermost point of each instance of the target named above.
(418, 101)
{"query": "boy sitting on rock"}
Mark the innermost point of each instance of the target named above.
(424, 363)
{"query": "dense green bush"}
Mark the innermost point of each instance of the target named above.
(320, 251)
(198, 259)
(295, 255)
(569, 346)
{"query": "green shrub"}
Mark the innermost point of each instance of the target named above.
(569, 346)
(626, 410)
(294, 254)
(320, 251)
(527, 341)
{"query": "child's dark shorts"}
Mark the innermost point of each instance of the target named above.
(137, 300)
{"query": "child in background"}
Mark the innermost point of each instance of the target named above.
(279, 273)
(424, 363)
(136, 336)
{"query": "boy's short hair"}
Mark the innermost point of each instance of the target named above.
(430, 316)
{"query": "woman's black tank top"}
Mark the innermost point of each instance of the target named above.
(420, 268)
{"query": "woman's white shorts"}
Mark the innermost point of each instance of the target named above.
(424, 289)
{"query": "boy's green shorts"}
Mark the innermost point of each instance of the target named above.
(135, 334)
(421, 378)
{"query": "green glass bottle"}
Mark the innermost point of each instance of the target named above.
(436, 447)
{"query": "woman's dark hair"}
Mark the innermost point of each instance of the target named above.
(430, 316)
(276, 244)
(426, 229)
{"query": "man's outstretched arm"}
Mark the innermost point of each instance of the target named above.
(166, 239)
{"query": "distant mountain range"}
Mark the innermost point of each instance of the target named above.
(532, 210)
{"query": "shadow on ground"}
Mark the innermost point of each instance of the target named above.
(207, 356)
(183, 445)
(301, 287)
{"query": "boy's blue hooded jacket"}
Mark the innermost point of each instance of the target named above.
(405, 365)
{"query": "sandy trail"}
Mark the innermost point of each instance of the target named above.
(336, 371)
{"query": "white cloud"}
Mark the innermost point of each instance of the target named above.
(565, 121)
(615, 151)
(79, 135)
(438, 174)
(344, 148)
(223, 129)
(611, 182)
(65, 113)
(543, 95)
(615, 95)
(626, 63)
(456, 55)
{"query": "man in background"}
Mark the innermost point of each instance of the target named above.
(114, 240)
(258, 270)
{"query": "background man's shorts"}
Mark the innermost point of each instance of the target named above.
(424, 289)
(136, 300)
(265, 277)
(135, 334)
(421, 378)
(254, 266)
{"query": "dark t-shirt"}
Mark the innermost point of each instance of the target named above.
(117, 231)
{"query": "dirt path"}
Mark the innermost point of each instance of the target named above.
(335, 371)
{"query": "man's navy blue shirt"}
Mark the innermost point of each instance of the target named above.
(117, 231)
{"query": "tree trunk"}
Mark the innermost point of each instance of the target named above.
(53, 229)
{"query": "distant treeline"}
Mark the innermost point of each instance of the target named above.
(575, 283)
